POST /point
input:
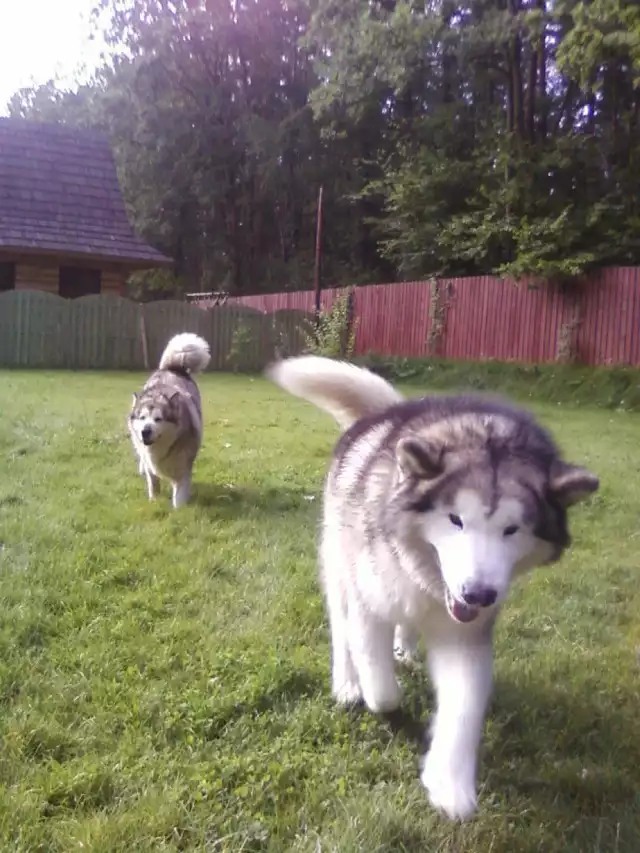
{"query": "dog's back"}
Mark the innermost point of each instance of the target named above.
(167, 383)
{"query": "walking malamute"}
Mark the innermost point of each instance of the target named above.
(165, 421)
(431, 507)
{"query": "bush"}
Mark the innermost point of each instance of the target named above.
(241, 340)
(334, 336)
(601, 387)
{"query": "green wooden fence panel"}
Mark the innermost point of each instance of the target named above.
(108, 332)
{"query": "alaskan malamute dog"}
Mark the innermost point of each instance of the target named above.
(165, 421)
(431, 507)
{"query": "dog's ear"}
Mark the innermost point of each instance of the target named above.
(134, 399)
(417, 458)
(570, 484)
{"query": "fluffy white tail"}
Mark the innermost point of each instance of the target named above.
(185, 352)
(343, 390)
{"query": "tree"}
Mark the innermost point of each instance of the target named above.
(450, 138)
(492, 157)
(219, 156)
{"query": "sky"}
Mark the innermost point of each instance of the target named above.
(45, 39)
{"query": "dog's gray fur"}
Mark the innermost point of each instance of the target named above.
(431, 506)
(165, 421)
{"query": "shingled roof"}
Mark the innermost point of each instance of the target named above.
(59, 194)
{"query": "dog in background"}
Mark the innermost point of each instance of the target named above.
(165, 421)
(431, 507)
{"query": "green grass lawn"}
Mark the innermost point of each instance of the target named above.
(164, 676)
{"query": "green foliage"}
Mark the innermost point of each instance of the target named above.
(334, 333)
(146, 285)
(605, 36)
(241, 340)
(563, 384)
(491, 157)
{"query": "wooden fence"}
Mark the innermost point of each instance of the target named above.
(594, 322)
(597, 321)
(107, 332)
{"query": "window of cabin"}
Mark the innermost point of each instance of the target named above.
(78, 281)
(7, 275)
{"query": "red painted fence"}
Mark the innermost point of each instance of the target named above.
(490, 318)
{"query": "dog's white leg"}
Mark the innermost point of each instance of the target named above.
(405, 644)
(462, 673)
(371, 646)
(138, 454)
(181, 492)
(345, 686)
(153, 483)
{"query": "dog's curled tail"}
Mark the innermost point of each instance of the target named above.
(343, 390)
(187, 352)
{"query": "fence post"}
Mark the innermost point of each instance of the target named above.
(143, 338)
(318, 259)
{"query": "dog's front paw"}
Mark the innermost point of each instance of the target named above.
(405, 647)
(181, 495)
(347, 693)
(449, 792)
(382, 698)
(405, 656)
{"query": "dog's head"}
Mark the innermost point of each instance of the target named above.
(154, 418)
(491, 503)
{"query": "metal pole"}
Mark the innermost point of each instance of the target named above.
(316, 282)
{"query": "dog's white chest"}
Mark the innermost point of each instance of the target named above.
(391, 591)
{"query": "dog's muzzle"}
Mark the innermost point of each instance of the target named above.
(474, 598)
(147, 436)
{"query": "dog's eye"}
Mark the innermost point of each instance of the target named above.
(509, 531)
(455, 520)
(157, 420)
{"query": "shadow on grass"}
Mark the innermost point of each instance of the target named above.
(226, 500)
(285, 692)
(571, 760)
(584, 740)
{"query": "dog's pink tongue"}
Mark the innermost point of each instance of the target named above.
(462, 612)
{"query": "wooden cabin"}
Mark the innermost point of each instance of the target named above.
(63, 224)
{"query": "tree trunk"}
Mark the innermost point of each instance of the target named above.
(515, 78)
(542, 76)
(531, 96)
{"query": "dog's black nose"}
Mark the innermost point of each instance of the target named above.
(478, 595)
(146, 433)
